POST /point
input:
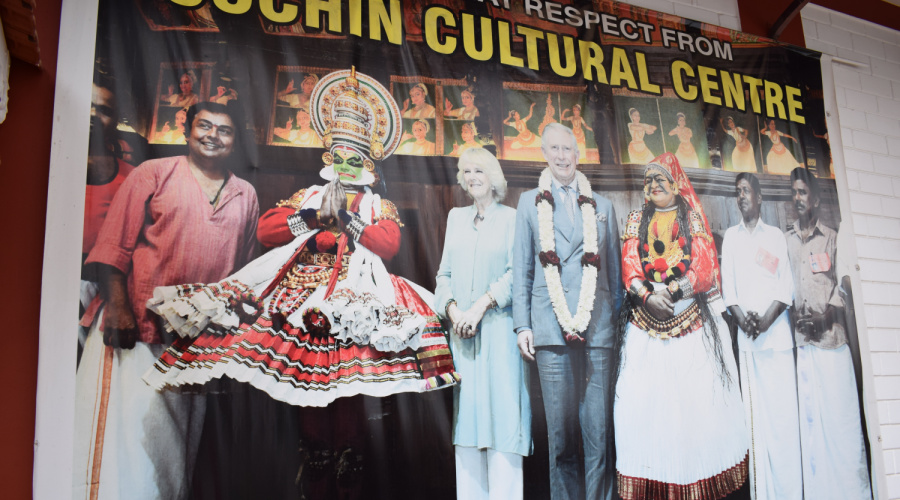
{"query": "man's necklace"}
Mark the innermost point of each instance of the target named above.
(219, 192)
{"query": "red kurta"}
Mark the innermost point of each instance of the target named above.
(97, 199)
(161, 230)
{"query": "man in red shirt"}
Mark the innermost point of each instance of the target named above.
(105, 173)
(174, 220)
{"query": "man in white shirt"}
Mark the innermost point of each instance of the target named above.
(757, 288)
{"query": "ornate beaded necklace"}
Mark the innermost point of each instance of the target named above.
(665, 249)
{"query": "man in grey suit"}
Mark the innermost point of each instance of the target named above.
(570, 336)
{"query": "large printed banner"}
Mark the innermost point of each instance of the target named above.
(305, 275)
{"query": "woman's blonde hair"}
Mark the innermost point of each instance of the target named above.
(488, 162)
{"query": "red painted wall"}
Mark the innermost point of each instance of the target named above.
(24, 164)
(758, 16)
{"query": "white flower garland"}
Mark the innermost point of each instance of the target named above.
(574, 325)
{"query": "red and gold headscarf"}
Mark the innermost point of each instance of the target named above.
(668, 165)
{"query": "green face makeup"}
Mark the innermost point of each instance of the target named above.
(348, 165)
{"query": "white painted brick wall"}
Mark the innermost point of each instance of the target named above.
(868, 100)
(718, 12)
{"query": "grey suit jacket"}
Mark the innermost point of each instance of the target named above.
(531, 301)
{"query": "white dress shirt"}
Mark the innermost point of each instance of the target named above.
(756, 270)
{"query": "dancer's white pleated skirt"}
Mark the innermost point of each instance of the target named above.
(677, 420)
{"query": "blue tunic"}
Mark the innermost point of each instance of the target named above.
(491, 404)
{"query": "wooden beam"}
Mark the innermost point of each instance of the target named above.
(785, 18)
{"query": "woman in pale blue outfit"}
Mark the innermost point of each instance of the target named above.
(491, 408)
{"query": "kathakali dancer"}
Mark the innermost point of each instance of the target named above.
(317, 318)
(679, 419)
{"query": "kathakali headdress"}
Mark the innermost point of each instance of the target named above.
(353, 113)
(668, 165)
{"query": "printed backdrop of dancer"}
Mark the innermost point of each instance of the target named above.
(630, 83)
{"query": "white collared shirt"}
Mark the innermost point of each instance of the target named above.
(756, 270)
